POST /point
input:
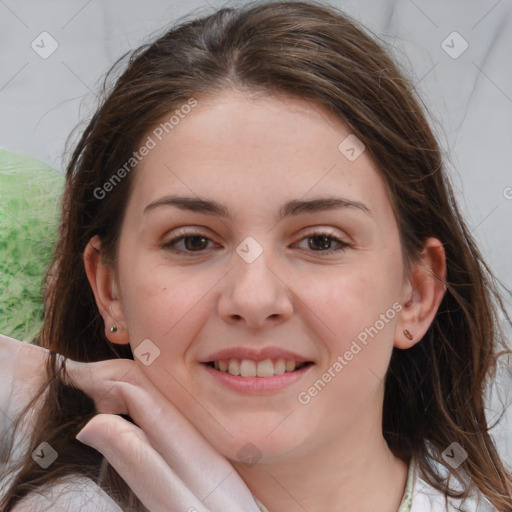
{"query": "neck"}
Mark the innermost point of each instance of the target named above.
(356, 471)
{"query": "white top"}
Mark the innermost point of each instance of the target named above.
(80, 494)
(426, 498)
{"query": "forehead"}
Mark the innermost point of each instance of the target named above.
(254, 151)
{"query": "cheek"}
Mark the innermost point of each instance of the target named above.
(166, 306)
(359, 307)
(158, 299)
(353, 300)
(360, 311)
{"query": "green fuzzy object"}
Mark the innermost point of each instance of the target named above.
(30, 202)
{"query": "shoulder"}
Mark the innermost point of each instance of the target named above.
(426, 498)
(74, 494)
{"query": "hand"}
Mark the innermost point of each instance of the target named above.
(168, 464)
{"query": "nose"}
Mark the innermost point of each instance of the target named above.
(256, 293)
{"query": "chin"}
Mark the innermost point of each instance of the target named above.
(257, 446)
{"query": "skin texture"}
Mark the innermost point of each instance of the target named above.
(253, 155)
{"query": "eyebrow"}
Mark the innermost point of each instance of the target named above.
(289, 209)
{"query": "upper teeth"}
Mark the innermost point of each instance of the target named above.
(249, 368)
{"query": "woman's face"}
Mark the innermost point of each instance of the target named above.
(262, 275)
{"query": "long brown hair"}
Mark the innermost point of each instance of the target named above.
(434, 391)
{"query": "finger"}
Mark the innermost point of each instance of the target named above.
(127, 449)
(123, 389)
(101, 381)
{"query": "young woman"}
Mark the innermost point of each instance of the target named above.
(264, 287)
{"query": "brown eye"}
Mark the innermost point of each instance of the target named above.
(320, 242)
(192, 243)
(323, 243)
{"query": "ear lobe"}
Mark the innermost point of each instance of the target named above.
(103, 283)
(422, 294)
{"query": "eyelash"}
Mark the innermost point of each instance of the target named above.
(182, 236)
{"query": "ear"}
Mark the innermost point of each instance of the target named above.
(422, 293)
(103, 283)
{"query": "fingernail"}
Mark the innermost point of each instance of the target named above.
(84, 436)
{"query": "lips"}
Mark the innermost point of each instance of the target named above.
(250, 385)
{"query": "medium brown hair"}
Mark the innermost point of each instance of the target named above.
(434, 391)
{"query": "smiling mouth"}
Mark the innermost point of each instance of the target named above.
(249, 368)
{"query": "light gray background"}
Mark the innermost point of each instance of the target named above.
(469, 97)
